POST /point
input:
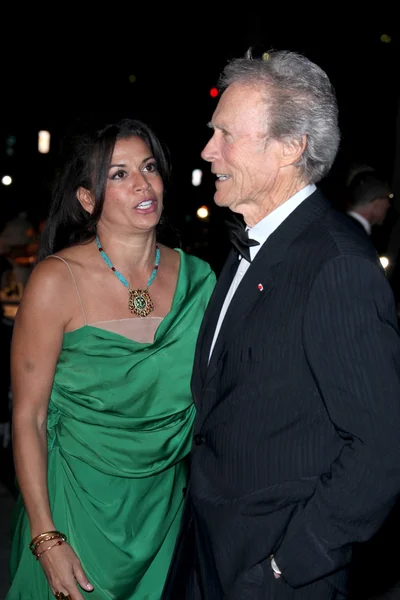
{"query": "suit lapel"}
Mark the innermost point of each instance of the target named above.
(256, 284)
(210, 320)
(252, 290)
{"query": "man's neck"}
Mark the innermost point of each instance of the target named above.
(257, 212)
(361, 219)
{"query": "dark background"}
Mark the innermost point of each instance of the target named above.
(73, 65)
(61, 62)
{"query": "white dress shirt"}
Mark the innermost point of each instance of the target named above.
(261, 232)
(366, 224)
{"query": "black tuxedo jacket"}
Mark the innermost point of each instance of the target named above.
(296, 447)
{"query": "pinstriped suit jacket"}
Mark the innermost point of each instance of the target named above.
(296, 447)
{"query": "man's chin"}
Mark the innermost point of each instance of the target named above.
(221, 199)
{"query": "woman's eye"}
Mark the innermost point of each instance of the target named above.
(151, 167)
(118, 175)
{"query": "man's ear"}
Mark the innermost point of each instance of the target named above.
(293, 149)
(86, 199)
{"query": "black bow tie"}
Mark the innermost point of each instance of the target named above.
(239, 236)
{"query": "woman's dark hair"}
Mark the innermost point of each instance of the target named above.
(86, 156)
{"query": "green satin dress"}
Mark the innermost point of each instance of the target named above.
(119, 433)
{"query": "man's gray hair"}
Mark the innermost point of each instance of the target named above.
(300, 100)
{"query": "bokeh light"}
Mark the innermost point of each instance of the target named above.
(44, 141)
(197, 175)
(202, 212)
(384, 261)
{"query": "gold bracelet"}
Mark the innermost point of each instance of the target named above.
(48, 539)
(44, 535)
(59, 543)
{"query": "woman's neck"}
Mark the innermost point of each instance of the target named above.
(130, 254)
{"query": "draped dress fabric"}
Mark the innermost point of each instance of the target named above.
(119, 433)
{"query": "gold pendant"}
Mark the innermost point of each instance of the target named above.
(140, 303)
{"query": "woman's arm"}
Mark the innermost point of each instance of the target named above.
(41, 320)
(36, 345)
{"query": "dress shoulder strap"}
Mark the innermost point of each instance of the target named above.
(75, 284)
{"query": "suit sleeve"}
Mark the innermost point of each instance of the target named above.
(352, 345)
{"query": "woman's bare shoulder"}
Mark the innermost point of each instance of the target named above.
(51, 280)
(75, 255)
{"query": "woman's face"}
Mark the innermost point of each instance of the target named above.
(134, 191)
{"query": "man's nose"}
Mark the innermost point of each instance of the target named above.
(209, 151)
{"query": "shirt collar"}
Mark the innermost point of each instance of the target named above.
(264, 228)
(366, 224)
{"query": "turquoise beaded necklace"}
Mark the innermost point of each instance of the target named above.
(140, 302)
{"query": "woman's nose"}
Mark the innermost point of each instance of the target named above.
(141, 183)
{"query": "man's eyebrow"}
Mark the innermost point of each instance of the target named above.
(219, 127)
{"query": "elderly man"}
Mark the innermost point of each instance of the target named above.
(296, 453)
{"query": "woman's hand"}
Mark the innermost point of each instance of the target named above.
(64, 571)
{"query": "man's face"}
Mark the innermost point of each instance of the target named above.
(246, 165)
(380, 208)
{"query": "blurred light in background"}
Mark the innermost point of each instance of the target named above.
(384, 261)
(132, 78)
(10, 143)
(6, 180)
(386, 39)
(202, 212)
(44, 141)
(265, 56)
(197, 175)
(214, 92)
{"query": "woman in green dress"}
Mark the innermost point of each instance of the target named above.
(102, 356)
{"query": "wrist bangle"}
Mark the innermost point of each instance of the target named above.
(59, 543)
(43, 537)
(48, 539)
